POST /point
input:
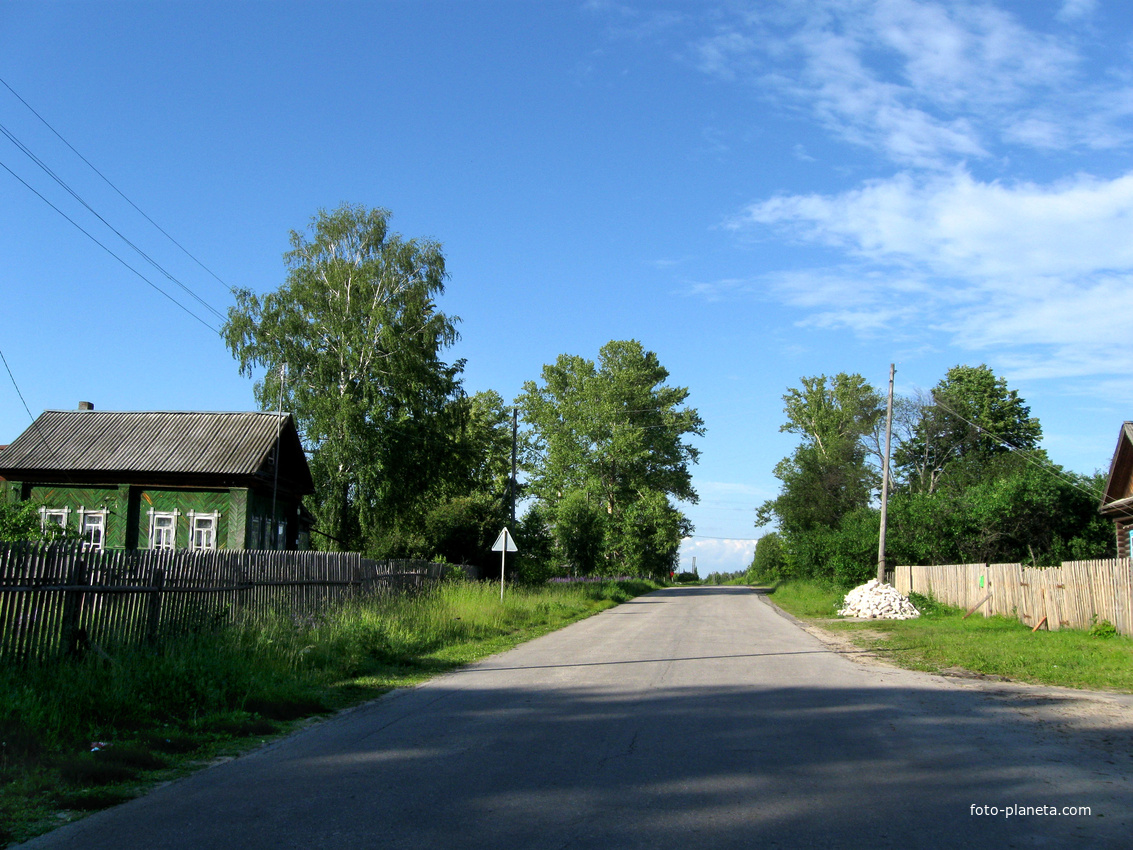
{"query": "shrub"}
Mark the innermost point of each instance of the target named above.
(927, 605)
(1102, 628)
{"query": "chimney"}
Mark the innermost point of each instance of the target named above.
(86, 405)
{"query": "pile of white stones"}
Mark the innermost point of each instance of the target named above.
(875, 600)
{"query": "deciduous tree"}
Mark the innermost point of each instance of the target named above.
(972, 417)
(20, 522)
(358, 328)
(613, 437)
(827, 476)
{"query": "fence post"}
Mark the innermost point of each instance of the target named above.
(73, 635)
(153, 615)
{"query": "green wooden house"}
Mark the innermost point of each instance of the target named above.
(164, 480)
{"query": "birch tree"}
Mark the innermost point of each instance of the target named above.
(357, 328)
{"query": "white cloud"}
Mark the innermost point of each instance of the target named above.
(720, 290)
(1041, 273)
(1075, 10)
(716, 556)
(729, 490)
(726, 54)
(630, 21)
(957, 225)
(928, 84)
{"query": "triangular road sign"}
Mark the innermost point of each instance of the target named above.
(504, 543)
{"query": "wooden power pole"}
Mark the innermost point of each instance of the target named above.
(885, 479)
(514, 440)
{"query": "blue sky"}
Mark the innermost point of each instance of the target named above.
(756, 191)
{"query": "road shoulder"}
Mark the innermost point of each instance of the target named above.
(1095, 718)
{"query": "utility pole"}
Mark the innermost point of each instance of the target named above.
(275, 462)
(514, 438)
(885, 479)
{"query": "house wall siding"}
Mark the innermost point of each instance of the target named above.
(237, 523)
(1123, 528)
(74, 498)
(184, 502)
(242, 513)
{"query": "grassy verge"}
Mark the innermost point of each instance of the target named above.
(942, 640)
(84, 735)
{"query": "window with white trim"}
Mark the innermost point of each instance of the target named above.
(280, 541)
(202, 531)
(163, 529)
(92, 528)
(54, 516)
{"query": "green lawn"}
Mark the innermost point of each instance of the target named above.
(941, 639)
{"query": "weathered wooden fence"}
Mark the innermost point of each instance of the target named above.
(59, 600)
(1070, 596)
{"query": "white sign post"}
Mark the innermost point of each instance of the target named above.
(503, 545)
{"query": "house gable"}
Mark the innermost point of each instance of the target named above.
(1117, 500)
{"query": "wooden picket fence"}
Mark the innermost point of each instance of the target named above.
(61, 600)
(1073, 596)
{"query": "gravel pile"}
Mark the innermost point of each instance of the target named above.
(877, 601)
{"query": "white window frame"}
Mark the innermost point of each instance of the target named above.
(59, 516)
(213, 520)
(280, 541)
(153, 517)
(100, 526)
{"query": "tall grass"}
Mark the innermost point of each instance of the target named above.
(209, 690)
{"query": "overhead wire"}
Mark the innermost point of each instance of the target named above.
(62, 183)
(35, 422)
(107, 250)
(23, 401)
(51, 173)
(115, 188)
(1048, 468)
(32, 156)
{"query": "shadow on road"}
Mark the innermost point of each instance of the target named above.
(470, 765)
(554, 747)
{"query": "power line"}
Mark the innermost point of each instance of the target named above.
(17, 386)
(115, 188)
(30, 155)
(1047, 468)
(34, 421)
(111, 253)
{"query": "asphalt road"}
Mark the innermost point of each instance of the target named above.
(689, 717)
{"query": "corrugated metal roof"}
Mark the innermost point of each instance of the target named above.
(186, 442)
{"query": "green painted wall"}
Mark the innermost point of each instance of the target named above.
(238, 518)
(75, 497)
(184, 502)
(242, 512)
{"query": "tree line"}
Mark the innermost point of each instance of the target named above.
(406, 464)
(969, 483)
